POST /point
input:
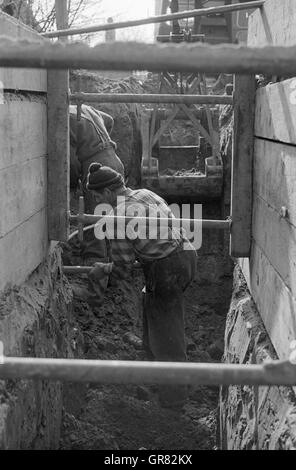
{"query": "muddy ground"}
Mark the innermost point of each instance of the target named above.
(129, 417)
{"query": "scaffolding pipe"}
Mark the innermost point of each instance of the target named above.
(138, 372)
(196, 58)
(87, 269)
(170, 222)
(155, 19)
(150, 98)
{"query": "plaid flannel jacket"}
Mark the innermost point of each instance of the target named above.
(154, 240)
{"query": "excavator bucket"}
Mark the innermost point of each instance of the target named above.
(172, 171)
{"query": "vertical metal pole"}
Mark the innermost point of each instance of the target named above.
(58, 143)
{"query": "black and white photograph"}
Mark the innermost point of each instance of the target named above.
(148, 228)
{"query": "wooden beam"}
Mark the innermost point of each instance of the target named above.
(278, 102)
(24, 193)
(14, 79)
(58, 144)
(274, 301)
(20, 119)
(152, 57)
(276, 237)
(273, 24)
(242, 161)
(275, 176)
(22, 250)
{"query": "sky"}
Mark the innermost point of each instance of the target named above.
(122, 10)
(132, 8)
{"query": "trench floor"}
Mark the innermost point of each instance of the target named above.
(108, 417)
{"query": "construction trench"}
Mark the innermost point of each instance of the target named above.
(239, 324)
(130, 417)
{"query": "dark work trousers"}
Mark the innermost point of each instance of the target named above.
(163, 313)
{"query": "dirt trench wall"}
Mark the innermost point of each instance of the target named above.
(35, 321)
(253, 417)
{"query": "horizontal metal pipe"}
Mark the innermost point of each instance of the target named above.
(150, 98)
(136, 372)
(155, 19)
(195, 58)
(205, 223)
(87, 269)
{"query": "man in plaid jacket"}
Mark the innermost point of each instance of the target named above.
(168, 260)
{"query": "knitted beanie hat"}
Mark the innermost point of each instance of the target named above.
(100, 177)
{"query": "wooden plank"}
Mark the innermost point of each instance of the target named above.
(23, 132)
(22, 250)
(276, 237)
(24, 193)
(273, 24)
(242, 161)
(58, 145)
(276, 304)
(275, 175)
(275, 114)
(21, 79)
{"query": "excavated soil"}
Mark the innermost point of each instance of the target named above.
(128, 416)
